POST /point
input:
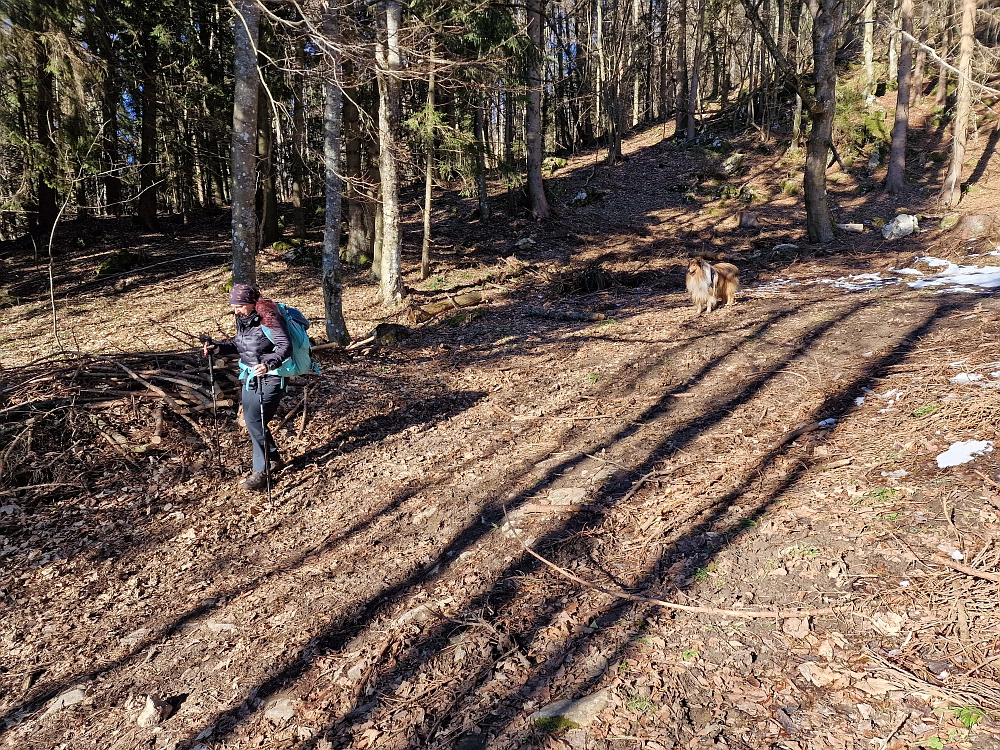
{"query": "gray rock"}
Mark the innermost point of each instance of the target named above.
(279, 709)
(567, 495)
(784, 247)
(155, 711)
(69, 698)
(571, 714)
(221, 627)
(901, 226)
(975, 225)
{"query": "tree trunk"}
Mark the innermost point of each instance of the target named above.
(45, 162)
(692, 102)
(147, 169)
(917, 87)
(532, 118)
(297, 161)
(665, 102)
(951, 191)
(893, 52)
(897, 152)
(391, 289)
(360, 205)
(266, 201)
(245, 95)
(482, 194)
(681, 70)
(634, 48)
(868, 49)
(801, 46)
(425, 248)
(941, 97)
(826, 24)
(109, 136)
(333, 287)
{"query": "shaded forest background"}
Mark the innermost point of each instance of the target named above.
(292, 113)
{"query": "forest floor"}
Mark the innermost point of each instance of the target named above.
(385, 599)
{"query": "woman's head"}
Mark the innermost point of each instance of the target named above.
(243, 298)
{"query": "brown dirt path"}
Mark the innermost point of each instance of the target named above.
(385, 600)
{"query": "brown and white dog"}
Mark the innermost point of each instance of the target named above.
(711, 284)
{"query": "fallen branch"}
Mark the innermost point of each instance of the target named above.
(177, 408)
(425, 312)
(949, 563)
(795, 434)
(291, 411)
(543, 312)
(617, 593)
(157, 436)
(933, 55)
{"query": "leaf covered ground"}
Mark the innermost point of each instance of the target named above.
(385, 598)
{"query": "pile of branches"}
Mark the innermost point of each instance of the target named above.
(70, 415)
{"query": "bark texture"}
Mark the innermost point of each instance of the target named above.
(826, 23)
(147, 170)
(247, 90)
(333, 286)
(951, 191)
(897, 152)
(533, 115)
(389, 66)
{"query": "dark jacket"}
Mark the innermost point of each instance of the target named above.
(252, 344)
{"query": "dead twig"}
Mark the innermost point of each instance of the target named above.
(177, 408)
(949, 563)
(617, 593)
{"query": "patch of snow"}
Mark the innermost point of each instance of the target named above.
(897, 474)
(964, 378)
(958, 278)
(963, 452)
(828, 422)
(959, 363)
(958, 290)
(859, 400)
(995, 374)
(908, 271)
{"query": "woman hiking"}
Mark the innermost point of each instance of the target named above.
(259, 354)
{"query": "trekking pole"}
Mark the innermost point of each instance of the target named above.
(206, 339)
(267, 453)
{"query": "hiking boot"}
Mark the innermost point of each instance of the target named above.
(256, 481)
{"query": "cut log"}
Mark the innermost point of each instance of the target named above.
(177, 408)
(157, 436)
(425, 312)
(544, 312)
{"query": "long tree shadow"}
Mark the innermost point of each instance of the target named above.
(706, 539)
(341, 630)
(433, 411)
(984, 160)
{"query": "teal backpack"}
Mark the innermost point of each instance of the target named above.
(300, 362)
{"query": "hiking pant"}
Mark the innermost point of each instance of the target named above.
(270, 391)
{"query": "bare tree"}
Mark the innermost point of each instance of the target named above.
(826, 24)
(951, 192)
(333, 286)
(390, 18)
(897, 151)
(533, 115)
(868, 48)
(425, 249)
(244, 190)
